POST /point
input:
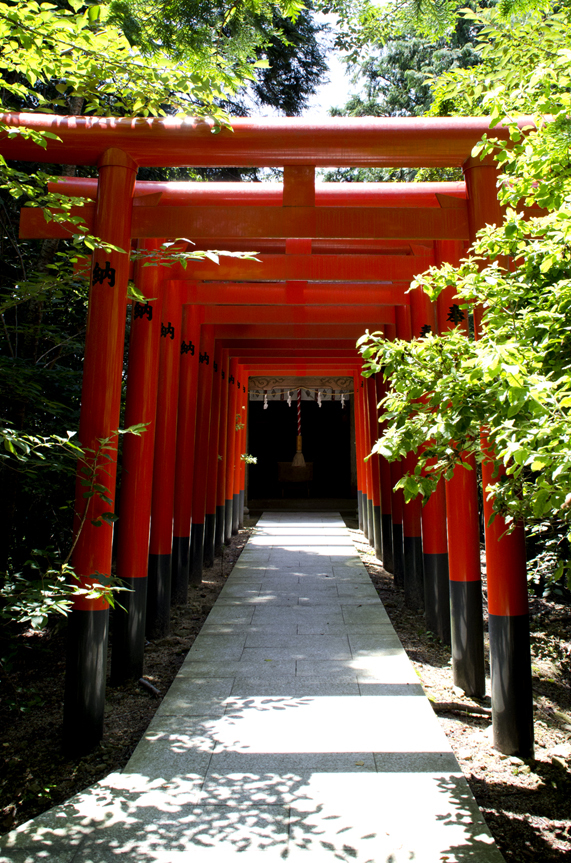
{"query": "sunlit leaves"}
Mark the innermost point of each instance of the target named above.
(51, 54)
(516, 380)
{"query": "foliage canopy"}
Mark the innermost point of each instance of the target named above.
(515, 381)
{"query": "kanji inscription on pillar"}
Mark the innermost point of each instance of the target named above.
(455, 314)
(143, 310)
(187, 348)
(204, 358)
(167, 331)
(425, 330)
(104, 274)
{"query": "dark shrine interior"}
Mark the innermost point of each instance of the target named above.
(326, 439)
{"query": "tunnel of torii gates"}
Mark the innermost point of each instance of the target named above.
(333, 260)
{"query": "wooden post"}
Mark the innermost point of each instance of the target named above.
(508, 620)
(137, 475)
(160, 550)
(185, 438)
(204, 400)
(100, 408)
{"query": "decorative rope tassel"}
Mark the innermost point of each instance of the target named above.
(298, 459)
(288, 398)
(265, 400)
(319, 398)
(342, 400)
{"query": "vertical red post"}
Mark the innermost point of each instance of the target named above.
(137, 475)
(359, 454)
(205, 371)
(397, 506)
(244, 448)
(213, 464)
(467, 628)
(412, 543)
(386, 491)
(433, 513)
(394, 473)
(237, 451)
(368, 464)
(185, 438)
(360, 411)
(162, 509)
(100, 408)
(422, 315)
(375, 466)
(435, 564)
(508, 620)
(466, 617)
(222, 440)
(230, 450)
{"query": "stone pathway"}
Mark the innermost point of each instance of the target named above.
(296, 730)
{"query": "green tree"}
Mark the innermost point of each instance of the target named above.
(394, 77)
(282, 38)
(515, 379)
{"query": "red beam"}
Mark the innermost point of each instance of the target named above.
(320, 246)
(200, 194)
(320, 222)
(295, 346)
(292, 293)
(302, 370)
(341, 268)
(404, 223)
(171, 141)
(371, 316)
(256, 355)
(289, 331)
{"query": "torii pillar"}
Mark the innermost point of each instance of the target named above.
(100, 407)
(508, 607)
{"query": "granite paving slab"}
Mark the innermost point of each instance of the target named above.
(296, 730)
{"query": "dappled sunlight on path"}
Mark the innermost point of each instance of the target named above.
(296, 729)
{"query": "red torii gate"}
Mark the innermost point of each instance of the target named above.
(117, 147)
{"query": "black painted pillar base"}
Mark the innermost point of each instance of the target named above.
(387, 541)
(371, 535)
(377, 532)
(127, 656)
(360, 509)
(219, 532)
(235, 514)
(241, 512)
(209, 531)
(159, 596)
(467, 635)
(512, 701)
(413, 575)
(398, 555)
(437, 595)
(196, 553)
(180, 567)
(86, 671)
(365, 509)
(228, 521)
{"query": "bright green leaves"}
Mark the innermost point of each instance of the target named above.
(52, 54)
(515, 381)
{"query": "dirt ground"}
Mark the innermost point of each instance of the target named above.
(526, 804)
